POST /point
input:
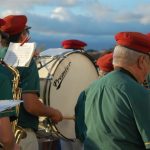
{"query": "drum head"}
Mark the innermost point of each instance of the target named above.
(71, 75)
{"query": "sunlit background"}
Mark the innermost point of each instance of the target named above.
(92, 21)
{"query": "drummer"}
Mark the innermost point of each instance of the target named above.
(73, 44)
(17, 29)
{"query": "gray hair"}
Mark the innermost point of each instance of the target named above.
(126, 56)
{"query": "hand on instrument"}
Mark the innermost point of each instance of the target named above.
(55, 115)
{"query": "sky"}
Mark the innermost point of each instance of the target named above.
(92, 21)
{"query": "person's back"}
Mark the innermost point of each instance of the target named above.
(117, 106)
(116, 128)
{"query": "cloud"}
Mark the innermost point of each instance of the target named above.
(140, 15)
(90, 21)
(144, 10)
(145, 20)
(33, 3)
(10, 12)
(60, 14)
(98, 12)
(127, 17)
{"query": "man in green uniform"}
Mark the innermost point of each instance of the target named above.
(117, 106)
(29, 83)
(6, 135)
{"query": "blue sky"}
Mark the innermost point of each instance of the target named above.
(92, 21)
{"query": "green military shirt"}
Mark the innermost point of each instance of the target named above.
(80, 127)
(117, 114)
(6, 94)
(29, 83)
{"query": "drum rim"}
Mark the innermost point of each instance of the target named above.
(54, 126)
(77, 51)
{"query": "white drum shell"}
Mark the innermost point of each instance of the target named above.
(74, 72)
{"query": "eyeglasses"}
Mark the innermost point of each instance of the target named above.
(26, 32)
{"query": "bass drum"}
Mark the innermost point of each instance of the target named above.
(62, 79)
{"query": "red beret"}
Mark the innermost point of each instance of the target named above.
(14, 24)
(148, 34)
(73, 44)
(105, 62)
(2, 22)
(134, 40)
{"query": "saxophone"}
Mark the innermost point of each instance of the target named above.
(19, 132)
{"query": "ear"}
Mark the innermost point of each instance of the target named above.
(140, 62)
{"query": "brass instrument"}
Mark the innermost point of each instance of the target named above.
(19, 132)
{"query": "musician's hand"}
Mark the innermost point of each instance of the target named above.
(55, 115)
